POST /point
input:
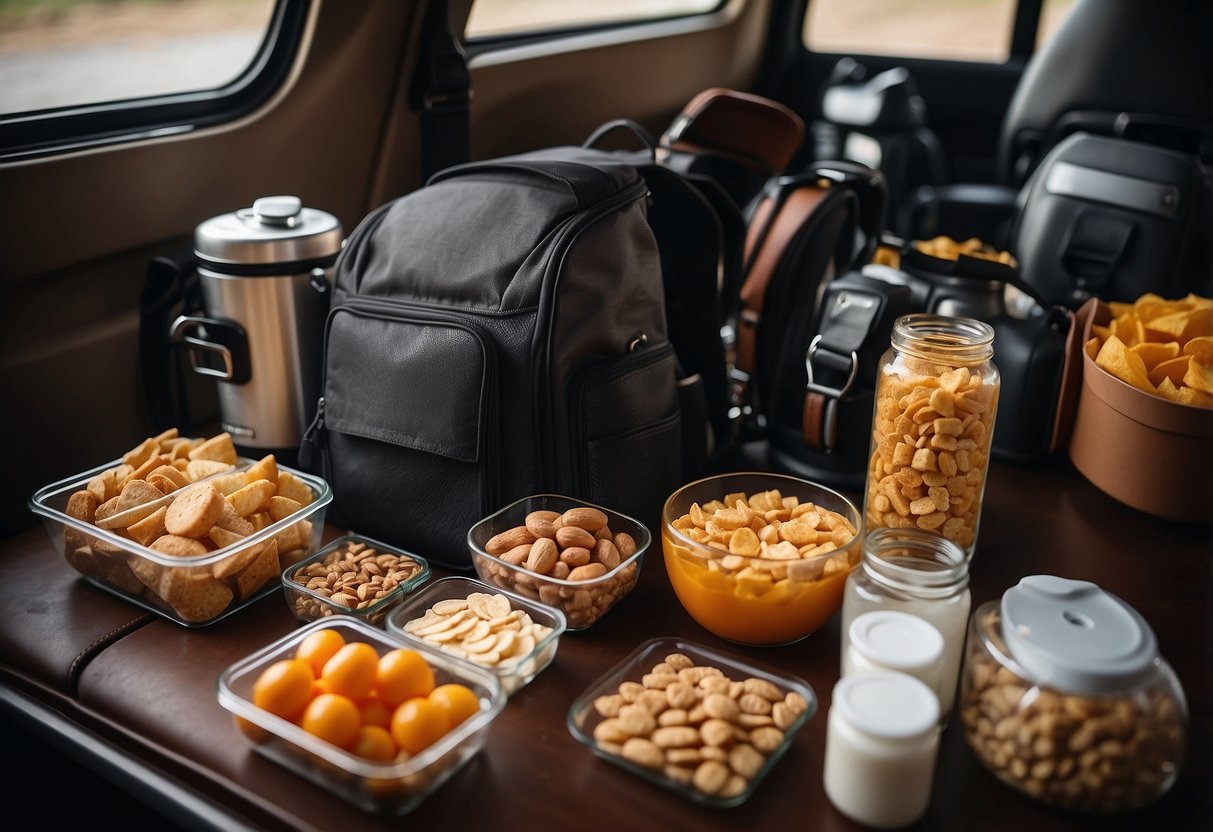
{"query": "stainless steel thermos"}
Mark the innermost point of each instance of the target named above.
(265, 274)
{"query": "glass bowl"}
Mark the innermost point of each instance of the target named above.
(788, 588)
(519, 665)
(369, 578)
(722, 748)
(582, 600)
(193, 590)
(389, 788)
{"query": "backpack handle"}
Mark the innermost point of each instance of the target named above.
(637, 129)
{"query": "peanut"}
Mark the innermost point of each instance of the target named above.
(353, 575)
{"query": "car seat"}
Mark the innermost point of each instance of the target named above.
(1141, 71)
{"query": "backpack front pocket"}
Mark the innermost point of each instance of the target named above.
(409, 426)
(628, 432)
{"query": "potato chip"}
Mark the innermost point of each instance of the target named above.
(1129, 329)
(1200, 348)
(1154, 353)
(1123, 363)
(1198, 302)
(1196, 398)
(1092, 346)
(1199, 376)
(1172, 370)
(1149, 307)
(1167, 389)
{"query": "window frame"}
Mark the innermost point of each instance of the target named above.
(38, 133)
(488, 43)
(1024, 25)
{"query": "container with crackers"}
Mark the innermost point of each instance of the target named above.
(577, 557)
(353, 575)
(705, 724)
(185, 527)
(511, 635)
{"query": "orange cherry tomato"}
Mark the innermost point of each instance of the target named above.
(403, 674)
(351, 671)
(417, 724)
(375, 712)
(375, 743)
(333, 718)
(318, 647)
(284, 688)
(457, 702)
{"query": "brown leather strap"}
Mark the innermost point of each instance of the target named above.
(756, 132)
(812, 426)
(766, 241)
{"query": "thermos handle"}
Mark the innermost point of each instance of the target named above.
(214, 338)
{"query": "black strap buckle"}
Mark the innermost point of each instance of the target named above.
(831, 394)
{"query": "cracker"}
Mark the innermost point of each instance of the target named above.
(252, 498)
(194, 511)
(178, 546)
(150, 527)
(262, 568)
(218, 448)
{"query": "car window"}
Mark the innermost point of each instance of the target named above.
(967, 30)
(64, 53)
(493, 18)
(1051, 16)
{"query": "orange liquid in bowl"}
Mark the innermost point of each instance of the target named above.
(787, 612)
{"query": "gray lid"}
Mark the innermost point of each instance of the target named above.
(277, 229)
(1074, 636)
(887, 704)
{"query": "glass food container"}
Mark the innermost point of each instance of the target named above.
(920, 573)
(1065, 697)
(936, 398)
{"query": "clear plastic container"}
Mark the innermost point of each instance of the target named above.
(387, 573)
(583, 601)
(193, 590)
(932, 423)
(641, 680)
(920, 573)
(389, 788)
(515, 670)
(1065, 698)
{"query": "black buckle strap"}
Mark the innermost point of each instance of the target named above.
(831, 362)
(442, 93)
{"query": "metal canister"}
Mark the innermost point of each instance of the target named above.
(265, 275)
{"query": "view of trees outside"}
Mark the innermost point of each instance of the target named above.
(56, 53)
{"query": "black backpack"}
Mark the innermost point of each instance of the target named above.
(503, 332)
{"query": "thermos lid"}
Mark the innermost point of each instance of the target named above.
(1074, 636)
(276, 230)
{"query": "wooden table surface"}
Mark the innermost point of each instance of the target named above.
(1038, 519)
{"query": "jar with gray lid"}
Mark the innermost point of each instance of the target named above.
(1065, 697)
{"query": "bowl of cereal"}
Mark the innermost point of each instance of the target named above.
(577, 557)
(760, 558)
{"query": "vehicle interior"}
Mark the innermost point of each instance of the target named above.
(349, 106)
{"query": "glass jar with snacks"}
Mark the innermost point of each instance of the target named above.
(936, 399)
(898, 641)
(1065, 697)
(882, 742)
(920, 573)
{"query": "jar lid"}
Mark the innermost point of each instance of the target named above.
(277, 229)
(897, 640)
(1074, 636)
(886, 704)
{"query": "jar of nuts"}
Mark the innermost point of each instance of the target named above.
(1065, 697)
(936, 398)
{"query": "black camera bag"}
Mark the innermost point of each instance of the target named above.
(1112, 218)
(498, 333)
